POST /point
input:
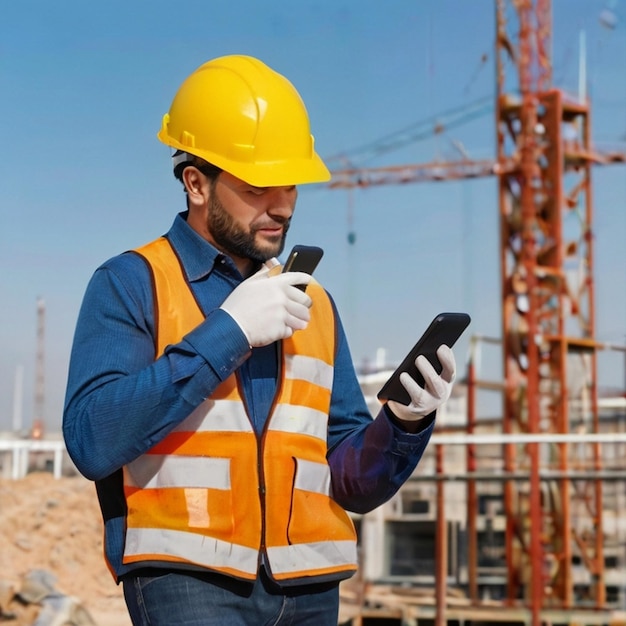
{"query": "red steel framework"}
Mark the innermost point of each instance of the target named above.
(543, 165)
(548, 316)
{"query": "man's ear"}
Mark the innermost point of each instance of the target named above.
(196, 185)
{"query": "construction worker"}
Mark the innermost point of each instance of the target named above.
(213, 402)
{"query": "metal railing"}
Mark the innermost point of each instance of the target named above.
(20, 451)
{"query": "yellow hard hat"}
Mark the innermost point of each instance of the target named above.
(240, 115)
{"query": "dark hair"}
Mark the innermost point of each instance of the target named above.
(208, 169)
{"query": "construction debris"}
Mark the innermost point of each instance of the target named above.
(38, 602)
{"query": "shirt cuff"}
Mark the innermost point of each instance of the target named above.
(401, 441)
(420, 424)
(220, 342)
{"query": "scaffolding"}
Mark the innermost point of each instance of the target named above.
(437, 552)
(546, 472)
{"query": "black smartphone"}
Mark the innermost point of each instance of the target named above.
(303, 259)
(445, 328)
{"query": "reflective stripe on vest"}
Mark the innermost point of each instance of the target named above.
(187, 507)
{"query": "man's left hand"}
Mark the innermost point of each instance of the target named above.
(437, 387)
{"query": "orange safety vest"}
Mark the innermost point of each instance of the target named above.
(214, 495)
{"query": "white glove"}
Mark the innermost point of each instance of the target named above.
(268, 308)
(437, 387)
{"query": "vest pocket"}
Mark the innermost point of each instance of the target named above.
(181, 493)
(315, 516)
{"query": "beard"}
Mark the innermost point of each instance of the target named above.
(231, 237)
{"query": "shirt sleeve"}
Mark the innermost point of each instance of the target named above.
(369, 459)
(120, 401)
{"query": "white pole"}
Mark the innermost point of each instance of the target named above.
(17, 398)
(381, 358)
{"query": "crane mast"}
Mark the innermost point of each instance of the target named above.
(548, 319)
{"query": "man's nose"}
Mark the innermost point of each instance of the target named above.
(282, 201)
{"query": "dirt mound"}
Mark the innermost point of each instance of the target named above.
(54, 525)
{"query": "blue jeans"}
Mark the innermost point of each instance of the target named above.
(190, 599)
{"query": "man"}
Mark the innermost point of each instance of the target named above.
(213, 402)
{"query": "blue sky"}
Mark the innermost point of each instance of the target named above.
(82, 176)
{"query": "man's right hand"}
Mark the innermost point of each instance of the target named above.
(268, 308)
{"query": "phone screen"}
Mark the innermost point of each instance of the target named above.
(446, 328)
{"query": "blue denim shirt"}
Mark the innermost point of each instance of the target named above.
(120, 401)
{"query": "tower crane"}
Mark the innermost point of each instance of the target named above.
(543, 167)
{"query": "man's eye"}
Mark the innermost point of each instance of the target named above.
(257, 191)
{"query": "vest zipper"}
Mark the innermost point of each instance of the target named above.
(263, 559)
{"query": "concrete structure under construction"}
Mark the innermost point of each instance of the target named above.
(438, 548)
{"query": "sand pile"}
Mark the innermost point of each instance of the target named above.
(54, 527)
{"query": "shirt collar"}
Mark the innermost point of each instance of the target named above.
(197, 255)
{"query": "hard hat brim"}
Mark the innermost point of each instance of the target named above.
(263, 174)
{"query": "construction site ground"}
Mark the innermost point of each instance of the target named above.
(53, 528)
(54, 525)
